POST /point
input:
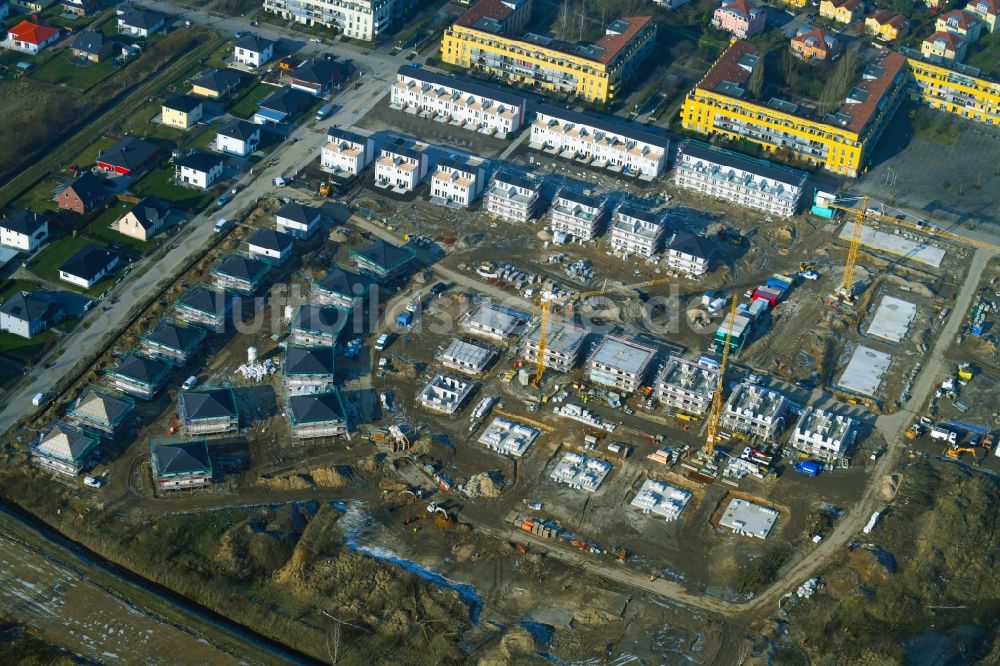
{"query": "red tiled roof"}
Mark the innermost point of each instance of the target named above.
(484, 8)
(847, 4)
(992, 6)
(612, 44)
(891, 63)
(954, 41)
(32, 33)
(965, 19)
(727, 67)
(742, 6)
(888, 17)
(819, 35)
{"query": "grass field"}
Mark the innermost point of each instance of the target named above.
(14, 287)
(159, 183)
(47, 262)
(100, 229)
(40, 197)
(22, 349)
(88, 156)
(60, 71)
(246, 106)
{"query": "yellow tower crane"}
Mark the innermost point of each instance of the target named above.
(715, 413)
(545, 305)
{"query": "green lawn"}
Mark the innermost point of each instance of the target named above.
(15, 286)
(22, 349)
(47, 262)
(204, 138)
(88, 156)
(246, 106)
(217, 58)
(67, 324)
(59, 70)
(140, 124)
(934, 127)
(100, 231)
(159, 183)
(985, 54)
(40, 197)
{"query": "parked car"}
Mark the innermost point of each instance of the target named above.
(809, 275)
(223, 200)
(189, 383)
(221, 225)
(93, 481)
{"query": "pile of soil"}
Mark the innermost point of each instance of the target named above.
(336, 476)
(485, 484)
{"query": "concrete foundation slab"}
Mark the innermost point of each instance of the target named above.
(864, 372)
(896, 244)
(892, 319)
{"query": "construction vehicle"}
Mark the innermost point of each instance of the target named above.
(324, 188)
(545, 306)
(955, 452)
(715, 413)
(965, 372)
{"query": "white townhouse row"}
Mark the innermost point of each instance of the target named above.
(358, 19)
(459, 101)
(577, 214)
(400, 167)
(599, 141)
(346, 153)
(457, 182)
(639, 231)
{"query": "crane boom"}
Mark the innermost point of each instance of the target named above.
(847, 285)
(715, 414)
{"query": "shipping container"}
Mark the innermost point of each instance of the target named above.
(807, 467)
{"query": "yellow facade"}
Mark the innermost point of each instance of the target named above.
(884, 31)
(179, 119)
(797, 3)
(954, 92)
(839, 14)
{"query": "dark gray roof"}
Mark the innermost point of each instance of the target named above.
(142, 369)
(141, 18)
(297, 212)
(685, 241)
(288, 100)
(317, 319)
(239, 129)
(314, 361)
(459, 163)
(131, 152)
(181, 458)
(385, 255)
(176, 337)
(150, 211)
(220, 80)
(606, 123)
(184, 103)
(204, 300)
(271, 239)
(91, 41)
(338, 133)
(639, 213)
(25, 306)
(241, 268)
(207, 404)
(316, 408)
(199, 160)
(400, 147)
(339, 281)
(90, 189)
(321, 71)
(580, 198)
(254, 43)
(88, 262)
(509, 177)
(26, 222)
(461, 83)
(727, 158)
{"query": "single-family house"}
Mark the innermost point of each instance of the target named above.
(88, 266)
(962, 23)
(172, 342)
(271, 246)
(986, 10)
(179, 465)
(740, 18)
(239, 274)
(63, 449)
(100, 412)
(307, 370)
(283, 106)
(341, 288)
(815, 44)
(203, 307)
(31, 37)
(27, 231)
(83, 194)
(81, 7)
(146, 219)
(199, 169)
(298, 220)
(238, 137)
(318, 326)
(886, 25)
(841, 11)
(457, 182)
(945, 45)
(685, 254)
(216, 83)
(209, 411)
(181, 111)
(92, 45)
(139, 376)
(139, 22)
(318, 75)
(252, 50)
(27, 314)
(128, 157)
(347, 152)
(382, 260)
(314, 415)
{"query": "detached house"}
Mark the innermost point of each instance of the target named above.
(181, 111)
(841, 11)
(457, 183)
(203, 307)
(341, 289)
(27, 231)
(92, 45)
(146, 219)
(637, 230)
(26, 314)
(686, 255)
(216, 83)
(208, 411)
(578, 215)
(886, 25)
(239, 274)
(178, 465)
(31, 37)
(139, 376)
(316, 326)
(252, 50)
(282, 106)
(139, 22)
(238, 137)
(964, 24)
(88, 266)
(272, 246)
(383, 261)
(945, 45)
(199, 169)
(129, 156)
(83, 194)
(317, 76)
(314, 415)
(63, 449)
(347, 152)
(81, 7)
(987, 11)
(100, 412)
(173, 343)
(298, 220)
(815, 44)
(307, 370)
(740, 18)
(400, 167)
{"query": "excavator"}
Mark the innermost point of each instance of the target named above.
(955, 452)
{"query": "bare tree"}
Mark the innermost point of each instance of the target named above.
(756, 82)
(563, 19)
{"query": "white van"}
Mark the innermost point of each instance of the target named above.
(221, 225)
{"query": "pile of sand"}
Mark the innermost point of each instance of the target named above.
(890, 486)
(336, 476)
(485, 484)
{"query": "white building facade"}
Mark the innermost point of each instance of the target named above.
(358, 19)
(346, 153)
(578, 215)
(401, 168)
(823, 434)
(513, 198)
(457, 183)
(638, 231)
